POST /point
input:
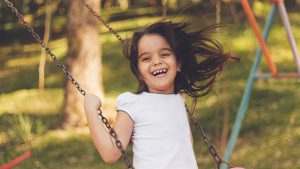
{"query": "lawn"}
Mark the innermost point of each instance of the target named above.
(269, 138)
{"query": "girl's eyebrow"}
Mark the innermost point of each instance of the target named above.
(168, 49)
(142, 54)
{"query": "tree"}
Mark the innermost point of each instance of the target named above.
(123, 4)
(107, 6)
(83, 60)
(48, 12)
(152, 2)
(164, 8)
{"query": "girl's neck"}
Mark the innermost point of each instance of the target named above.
(170, 91)
(166, 93)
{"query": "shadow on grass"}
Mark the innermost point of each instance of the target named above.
(47, 121)
(26, 77)
(66, 149)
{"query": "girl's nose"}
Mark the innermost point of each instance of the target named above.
(157, 61)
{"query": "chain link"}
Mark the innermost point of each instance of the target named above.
(94, 13)
(118, 143)
(218, 160)
(29, 28)
(104, 120)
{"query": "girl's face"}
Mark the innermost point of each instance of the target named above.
(157, 63)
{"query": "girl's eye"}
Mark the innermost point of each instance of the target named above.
(145, 59)
(166, 54)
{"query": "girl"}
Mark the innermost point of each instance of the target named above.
(167, 60)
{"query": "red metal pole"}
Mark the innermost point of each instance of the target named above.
(17, 160)
(255, 27)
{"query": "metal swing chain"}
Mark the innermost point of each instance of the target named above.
(94, 13)
(104, 120)
(117, 141)
(218, 160)
(211, 148)
(30, 29)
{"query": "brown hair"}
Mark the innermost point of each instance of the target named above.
(201, 57)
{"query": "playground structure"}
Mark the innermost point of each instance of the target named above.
(252, 76)
(272, 67)
(17, 160)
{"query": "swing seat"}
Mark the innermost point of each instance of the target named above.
(237, 168)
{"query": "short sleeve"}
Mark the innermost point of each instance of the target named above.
(125, 103)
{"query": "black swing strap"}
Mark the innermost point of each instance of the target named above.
(59, 64)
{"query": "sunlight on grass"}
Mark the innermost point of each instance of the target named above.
(295, 21)
(269, 136)
(53, 79)
(8, 26)
(130, 23)
(261, 8)
(30, 54)
(21, 62)
(67, 148)
(210, 101)
(138, 22)
(244, 41)
(284, 52)
(273, 155)
(58, 47)
(58, 22)
(3, 138)
(31, 101)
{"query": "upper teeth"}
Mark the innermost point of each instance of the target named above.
(159, 71)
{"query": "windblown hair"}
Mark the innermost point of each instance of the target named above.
(201, 57)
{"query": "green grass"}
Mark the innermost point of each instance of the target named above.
(269, 138)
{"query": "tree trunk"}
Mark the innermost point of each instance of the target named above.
(234, 13)
(132, 3)
(48, 12)
(164, 8)
(107, 7)
(152, 2)
(218, 14)
(123, 4)
(83, 60)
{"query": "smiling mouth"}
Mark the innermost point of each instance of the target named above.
(159, 72)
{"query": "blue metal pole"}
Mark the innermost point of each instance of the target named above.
(247, 92)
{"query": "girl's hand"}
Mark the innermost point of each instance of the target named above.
(92, 102)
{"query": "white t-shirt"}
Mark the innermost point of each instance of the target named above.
(161, 132)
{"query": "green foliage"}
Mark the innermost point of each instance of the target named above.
(21, 130)
(270, 134)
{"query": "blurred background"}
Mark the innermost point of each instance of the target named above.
(42, 112)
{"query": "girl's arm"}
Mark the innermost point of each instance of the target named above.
(104, 143)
